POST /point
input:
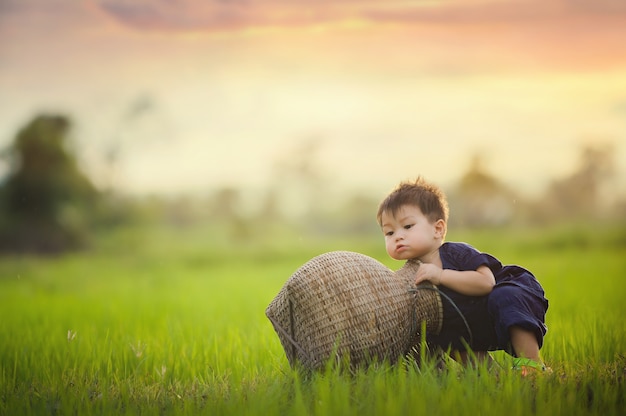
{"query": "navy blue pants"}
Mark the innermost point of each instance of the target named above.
(482, 322)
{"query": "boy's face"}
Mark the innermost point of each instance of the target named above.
(410, 235)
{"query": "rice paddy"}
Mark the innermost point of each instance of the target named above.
(168, 322)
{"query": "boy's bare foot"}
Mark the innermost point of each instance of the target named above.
(528, 367)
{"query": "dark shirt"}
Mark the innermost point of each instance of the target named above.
(462, 311)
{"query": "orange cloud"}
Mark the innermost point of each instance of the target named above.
(566, 33)
(238, 14)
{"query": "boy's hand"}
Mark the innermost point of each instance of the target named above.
(430, 272)
(468, 282)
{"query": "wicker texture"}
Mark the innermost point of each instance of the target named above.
(349, 306)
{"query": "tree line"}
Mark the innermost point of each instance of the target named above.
(48, 205)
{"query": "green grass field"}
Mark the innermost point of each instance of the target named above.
(164, 322)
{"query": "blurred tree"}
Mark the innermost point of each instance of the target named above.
(227, 210)
(481, 199)
(358, 214)
(45, 198)
(227, 202)
(299, 181)
(270, 207)
(578, 196)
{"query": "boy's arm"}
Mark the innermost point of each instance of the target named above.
(471, 282)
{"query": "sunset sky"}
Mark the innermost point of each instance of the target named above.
(193, 94)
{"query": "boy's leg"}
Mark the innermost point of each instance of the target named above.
(524, 343)
(526, 348)
(519, 317)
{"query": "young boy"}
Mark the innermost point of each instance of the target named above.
(495, 307)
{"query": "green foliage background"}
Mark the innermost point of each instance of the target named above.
(166, 321)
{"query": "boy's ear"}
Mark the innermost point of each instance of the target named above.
(440, 227)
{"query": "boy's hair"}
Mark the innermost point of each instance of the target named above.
(428, 197)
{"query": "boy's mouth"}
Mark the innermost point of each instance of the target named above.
(401, 247)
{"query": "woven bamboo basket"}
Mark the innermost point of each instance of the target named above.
(348, 306)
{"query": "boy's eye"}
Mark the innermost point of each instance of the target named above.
(406, 227)
(389, 233)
